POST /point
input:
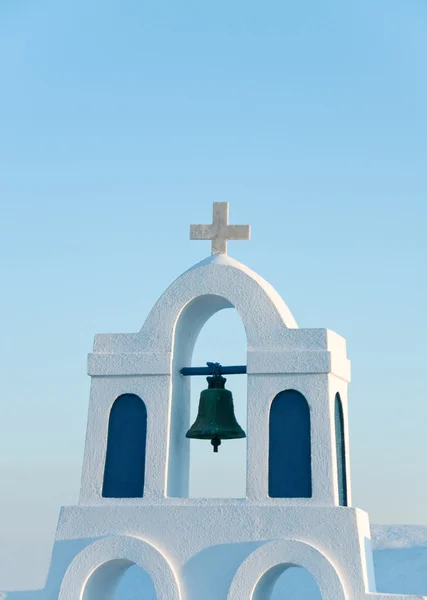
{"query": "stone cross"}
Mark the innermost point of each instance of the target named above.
(220, 231)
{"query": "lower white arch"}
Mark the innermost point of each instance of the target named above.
(121, 551)
(257, 575)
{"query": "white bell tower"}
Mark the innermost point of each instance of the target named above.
(134, 506)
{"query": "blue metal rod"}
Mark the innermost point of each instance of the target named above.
(238, 370)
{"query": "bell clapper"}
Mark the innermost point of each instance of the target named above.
(216, 442)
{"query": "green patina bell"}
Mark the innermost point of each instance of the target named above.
(215, 420)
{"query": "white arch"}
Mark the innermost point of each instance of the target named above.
(172, 328)
(257, 575)
(121, 552)
(216, 283)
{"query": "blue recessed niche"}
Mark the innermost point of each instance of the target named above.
(340, 450)
(124, 472)
(289, 457)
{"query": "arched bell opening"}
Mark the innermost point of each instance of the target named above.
(205, 332)
(340, 452)
(124, 472)
(119, 579)
(220, 474)
(289, 457)
(287, 582)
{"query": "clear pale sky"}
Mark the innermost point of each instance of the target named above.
(121, 123)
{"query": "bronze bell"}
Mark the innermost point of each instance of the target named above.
(216, 420)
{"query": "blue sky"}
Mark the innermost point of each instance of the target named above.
(121, 123)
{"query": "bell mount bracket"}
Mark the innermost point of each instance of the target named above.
(214, 369)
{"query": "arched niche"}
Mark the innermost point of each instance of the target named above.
(124, 472)
(340, 452)
(257, 576)
(119, 579)
(289, 456)
(287, 582)
(96, 571)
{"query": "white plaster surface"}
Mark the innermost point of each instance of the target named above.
(400, 554)
(209, 548)
(205, 543)
(117, 553)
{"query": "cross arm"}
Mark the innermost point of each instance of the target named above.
(201, 232)
(239, 232)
